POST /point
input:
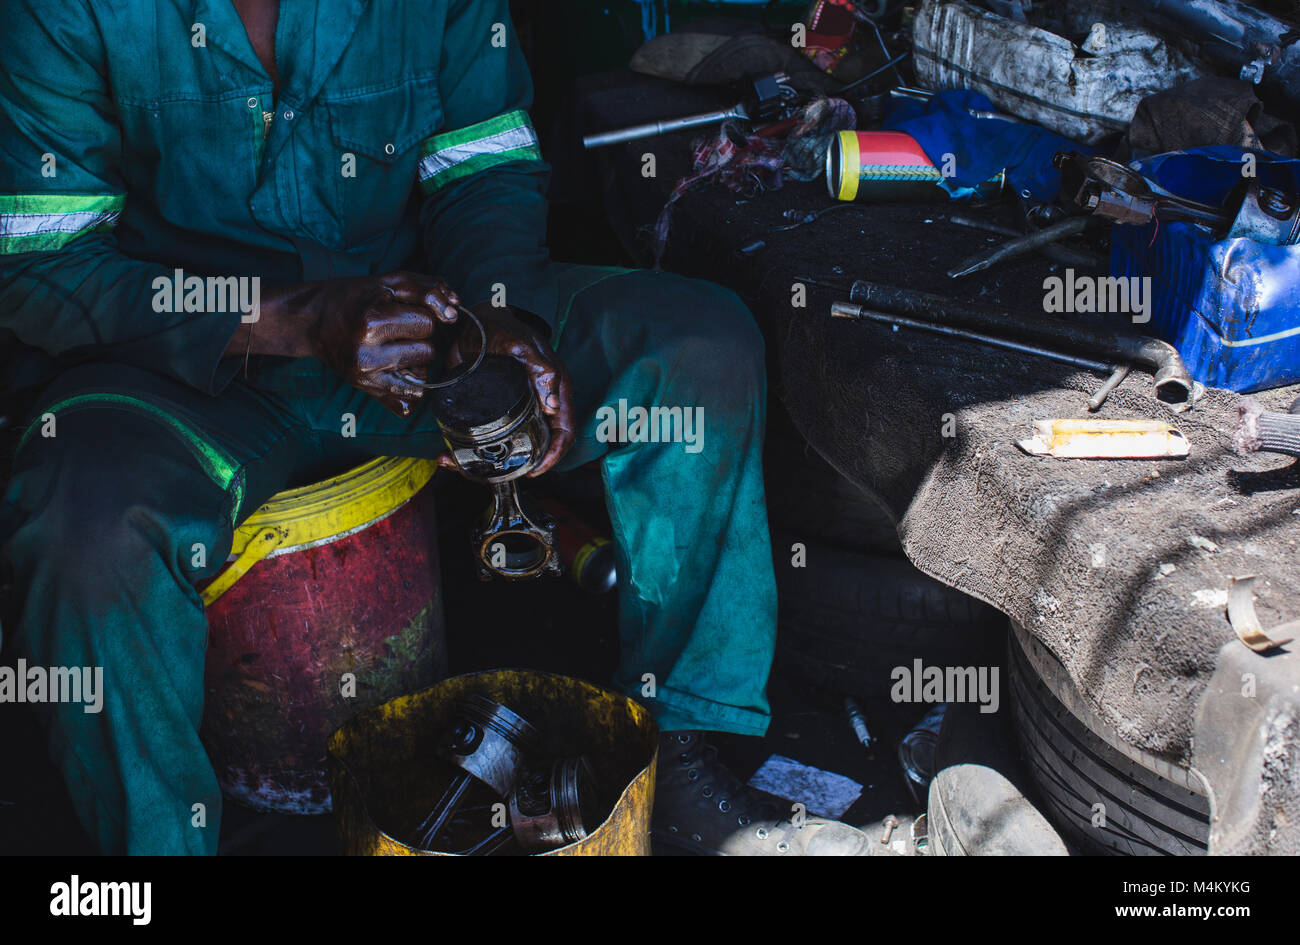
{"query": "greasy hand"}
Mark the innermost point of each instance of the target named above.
(510, 336)
(375, 331)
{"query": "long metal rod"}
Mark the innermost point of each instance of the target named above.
(1173, 383)
(653, 128)
(1053, 251)
(428, 830)
(1019, 246)
(1104, 391)
(849, 310)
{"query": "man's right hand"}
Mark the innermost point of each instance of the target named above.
(373, 331)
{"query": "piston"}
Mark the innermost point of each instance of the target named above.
(553, 808)
(496, 432)
(489, 744)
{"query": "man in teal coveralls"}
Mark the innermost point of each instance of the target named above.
(351, 155)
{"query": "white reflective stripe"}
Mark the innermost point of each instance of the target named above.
(34, 224)
(447, 158)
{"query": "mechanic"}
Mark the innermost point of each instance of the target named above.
(341, 153)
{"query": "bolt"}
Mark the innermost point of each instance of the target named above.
(890, 823)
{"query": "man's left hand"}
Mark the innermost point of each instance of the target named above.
(511, 336)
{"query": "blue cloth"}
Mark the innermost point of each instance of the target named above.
(1209, 174)
(983, 147)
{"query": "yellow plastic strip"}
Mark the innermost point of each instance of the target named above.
(331, 509)
(321, 512)
(264, 542)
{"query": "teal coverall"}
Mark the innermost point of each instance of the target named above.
(138, 137)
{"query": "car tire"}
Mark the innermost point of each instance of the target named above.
(847, 619)
(808, 497)
(1104, 795)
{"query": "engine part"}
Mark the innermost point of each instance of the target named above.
(1244, 620)
(496, 432)
(489, 744)
(1106, 188)
(474, 365)
(512, 540)
(554, 807)
(1267, 215)
(493, 425)
(857, 721)
(1174, 385)
(916, 752)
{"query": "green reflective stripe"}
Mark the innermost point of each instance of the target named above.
(48, 222)
(456, 154)
(218, 467)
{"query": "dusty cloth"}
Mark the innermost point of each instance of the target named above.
(1207, 111)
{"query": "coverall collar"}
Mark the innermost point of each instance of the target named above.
(309, 40)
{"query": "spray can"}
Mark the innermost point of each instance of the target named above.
(889, 166)
(587, 556)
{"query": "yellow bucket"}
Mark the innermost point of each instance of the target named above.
(383, 772)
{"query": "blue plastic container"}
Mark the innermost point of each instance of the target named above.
(1231, 307)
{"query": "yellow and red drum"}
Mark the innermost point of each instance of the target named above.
(330, 603)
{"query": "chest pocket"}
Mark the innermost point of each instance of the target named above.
(376, 138)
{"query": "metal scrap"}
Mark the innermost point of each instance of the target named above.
(1244, 620)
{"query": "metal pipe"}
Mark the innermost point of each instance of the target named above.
(1173, 383)
(653, 128)
(986, 258)
(1053, 251)
(848, 310)
(1104, 391)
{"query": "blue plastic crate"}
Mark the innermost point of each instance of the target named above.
(1231, 307)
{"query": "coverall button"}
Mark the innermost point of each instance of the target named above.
(389, 149)
(288, 114)
(252, 103)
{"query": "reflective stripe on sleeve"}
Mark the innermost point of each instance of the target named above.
(449, 157)
(48, 222)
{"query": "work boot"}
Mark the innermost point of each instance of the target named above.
(702, 808)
